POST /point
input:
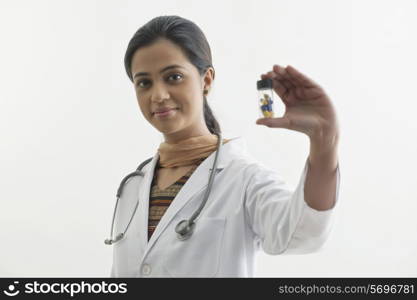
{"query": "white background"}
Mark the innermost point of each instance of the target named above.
(71, 129)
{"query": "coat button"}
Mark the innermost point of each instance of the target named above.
(146, 269)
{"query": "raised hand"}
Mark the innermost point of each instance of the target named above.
(307, 107)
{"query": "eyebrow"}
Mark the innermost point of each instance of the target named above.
(161, 71)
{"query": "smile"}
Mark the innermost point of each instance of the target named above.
(166, 114)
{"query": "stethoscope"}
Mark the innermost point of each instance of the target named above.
(184, 228)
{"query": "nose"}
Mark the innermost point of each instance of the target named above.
(159, 93)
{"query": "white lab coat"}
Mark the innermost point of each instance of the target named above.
(250, 207)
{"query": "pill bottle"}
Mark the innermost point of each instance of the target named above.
(267, 107)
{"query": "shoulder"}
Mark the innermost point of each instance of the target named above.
(250, 169)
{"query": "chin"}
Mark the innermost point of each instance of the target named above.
(167, 128)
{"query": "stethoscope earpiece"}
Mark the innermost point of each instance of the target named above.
(111, 241)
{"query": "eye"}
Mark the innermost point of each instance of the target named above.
(140, 81)
(176, 74)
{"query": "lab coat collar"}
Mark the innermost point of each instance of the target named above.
(198, 181)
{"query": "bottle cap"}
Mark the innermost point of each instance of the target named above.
(264, 84)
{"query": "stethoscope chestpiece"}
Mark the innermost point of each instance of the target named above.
(184, 229)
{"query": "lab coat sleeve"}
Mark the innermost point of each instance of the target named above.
(112, 273)
(283, 223)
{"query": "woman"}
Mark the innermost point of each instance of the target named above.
(250, 207)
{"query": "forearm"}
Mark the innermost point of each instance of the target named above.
(321, 178)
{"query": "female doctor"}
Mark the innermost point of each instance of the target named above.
(249, 206)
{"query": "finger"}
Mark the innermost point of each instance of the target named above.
(283, 74)
(279, 75)
(277, 86)
(305, 87)
(287, 75)
(304, 80)
(286, 78)
(280, 88)
(281, 80)
(291, 83)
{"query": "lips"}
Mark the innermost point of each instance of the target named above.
(163, 110)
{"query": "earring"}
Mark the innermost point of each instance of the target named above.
(205, 92)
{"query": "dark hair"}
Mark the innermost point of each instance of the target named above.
(189, 37)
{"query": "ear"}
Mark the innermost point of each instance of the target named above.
(208, 78)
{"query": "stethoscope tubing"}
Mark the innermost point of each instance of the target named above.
(184, 228)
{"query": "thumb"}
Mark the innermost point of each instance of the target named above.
(274, 122)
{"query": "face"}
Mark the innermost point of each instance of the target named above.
(160, 85)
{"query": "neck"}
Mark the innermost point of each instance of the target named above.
(176, 137)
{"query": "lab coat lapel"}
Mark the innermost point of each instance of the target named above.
(144, 192)
(197, 182)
